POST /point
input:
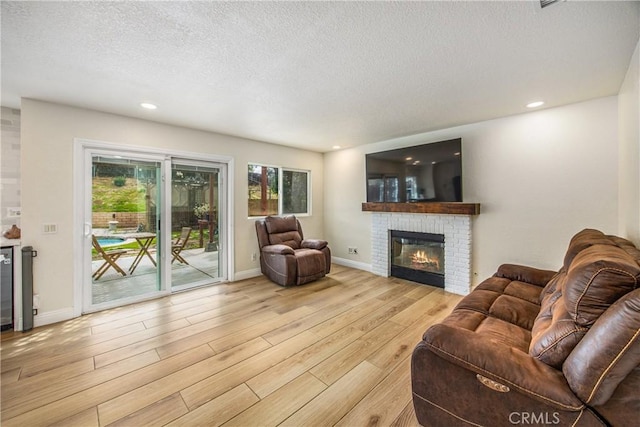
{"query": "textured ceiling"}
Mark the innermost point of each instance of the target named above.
(315, 74)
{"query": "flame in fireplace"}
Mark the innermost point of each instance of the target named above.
(421, 257)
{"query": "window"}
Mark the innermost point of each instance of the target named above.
(295, 185)
(263, 190)
(274, 190)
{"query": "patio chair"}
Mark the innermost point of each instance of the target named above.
(179, 245)
(109, 257)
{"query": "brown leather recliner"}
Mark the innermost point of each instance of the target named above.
(286, 257)
(538, 347)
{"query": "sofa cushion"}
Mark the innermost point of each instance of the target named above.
(598, 277)
(554, 333)
(500, 309)
(283, 231)
(600, 270)
(595, 375)
(525, 274)
(581, 241)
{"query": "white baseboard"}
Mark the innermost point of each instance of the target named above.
(353, 264)
(246, 274)
(49, 317)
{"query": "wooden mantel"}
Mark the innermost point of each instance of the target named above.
(446, 208)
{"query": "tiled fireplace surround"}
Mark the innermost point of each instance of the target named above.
(457, 239)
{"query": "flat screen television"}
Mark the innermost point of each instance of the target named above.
(422, 173)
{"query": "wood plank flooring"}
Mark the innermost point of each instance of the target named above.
(249, 353)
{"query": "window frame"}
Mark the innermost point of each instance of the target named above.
(281, 171)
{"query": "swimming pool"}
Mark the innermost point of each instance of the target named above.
(110, 241)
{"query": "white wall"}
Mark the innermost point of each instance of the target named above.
(629, 128)
(10, 167)
(48, 132)
(540, 178)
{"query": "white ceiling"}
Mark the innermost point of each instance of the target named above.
(315, 74)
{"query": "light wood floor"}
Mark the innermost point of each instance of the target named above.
(333, 352)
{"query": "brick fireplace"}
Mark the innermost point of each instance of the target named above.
(418, 257)
(455, 227)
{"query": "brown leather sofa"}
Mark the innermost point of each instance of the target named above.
(538, 347)
(286, 257)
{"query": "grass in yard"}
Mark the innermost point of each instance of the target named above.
(107, 197)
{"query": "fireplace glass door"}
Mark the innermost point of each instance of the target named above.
(418, 257)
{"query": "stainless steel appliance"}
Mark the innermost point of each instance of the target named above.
(6, 287)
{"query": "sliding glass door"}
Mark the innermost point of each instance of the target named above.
(152, 224)
(123, 229)
(196, 188)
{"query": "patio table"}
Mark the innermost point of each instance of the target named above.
(144, 240)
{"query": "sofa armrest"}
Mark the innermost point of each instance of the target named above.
(314, 244)
(503, 364)
(523, 273)
(278, 250)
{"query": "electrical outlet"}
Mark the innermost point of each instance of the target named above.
(49, 228)
(254, 256)
(13, 212)
(353, 250)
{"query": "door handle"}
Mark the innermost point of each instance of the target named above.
(88, 229)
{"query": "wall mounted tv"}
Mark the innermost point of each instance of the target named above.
(423, 173)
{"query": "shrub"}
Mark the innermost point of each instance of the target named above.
(119, 181)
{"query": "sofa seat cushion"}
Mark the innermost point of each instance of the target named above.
(490, 328)
(514, 288)
(499, 310)
(498, 331)
(512, 301)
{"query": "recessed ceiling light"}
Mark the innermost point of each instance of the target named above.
(535, 104)
(148, 105)
(409, 158)
(336, 147)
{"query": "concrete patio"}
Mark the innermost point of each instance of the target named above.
(202, 268)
